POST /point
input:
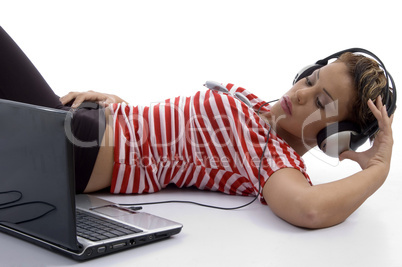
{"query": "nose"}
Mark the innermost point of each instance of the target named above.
(302, 95)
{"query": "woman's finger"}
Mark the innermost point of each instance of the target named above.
(376, 109)
(80, 97)
(378, 102)
(87, 96)
(358, 157)
(78, 101)
(68, 97)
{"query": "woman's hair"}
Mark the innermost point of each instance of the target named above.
(369, 83)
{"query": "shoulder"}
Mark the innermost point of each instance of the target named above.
(255, 101)
(280, 155)
(284, 184)
(285, 193)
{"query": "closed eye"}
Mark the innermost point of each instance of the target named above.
(308, 82)
(319, 104)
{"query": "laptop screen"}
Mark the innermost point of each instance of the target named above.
(37, 174)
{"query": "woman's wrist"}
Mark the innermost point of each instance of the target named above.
(377, 173)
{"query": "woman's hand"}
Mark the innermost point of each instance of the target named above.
(380, 153)
(100, 98)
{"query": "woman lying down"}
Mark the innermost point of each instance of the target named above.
(227, 139)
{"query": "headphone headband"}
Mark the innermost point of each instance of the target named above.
(388, 77)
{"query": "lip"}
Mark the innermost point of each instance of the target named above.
(286, 105)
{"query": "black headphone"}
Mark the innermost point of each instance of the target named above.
(345, 135)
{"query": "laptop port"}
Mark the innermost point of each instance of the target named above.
(101, 249)
(161, 235)
(119, 245)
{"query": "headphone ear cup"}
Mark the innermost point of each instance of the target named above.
(337, 137)
(306, 71)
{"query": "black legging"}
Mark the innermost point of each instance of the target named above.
(21, 81)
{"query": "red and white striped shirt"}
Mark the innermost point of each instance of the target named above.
(211, 140)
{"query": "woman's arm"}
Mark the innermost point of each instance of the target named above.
(100, 98)
(291, 197)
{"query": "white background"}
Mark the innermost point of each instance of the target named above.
(149, 50)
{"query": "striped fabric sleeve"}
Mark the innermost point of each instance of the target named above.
(210, 140)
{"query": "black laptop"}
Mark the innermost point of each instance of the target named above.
(37, 191)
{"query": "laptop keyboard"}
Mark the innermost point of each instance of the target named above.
(96, 228)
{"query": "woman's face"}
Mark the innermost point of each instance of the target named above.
(324, 97)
